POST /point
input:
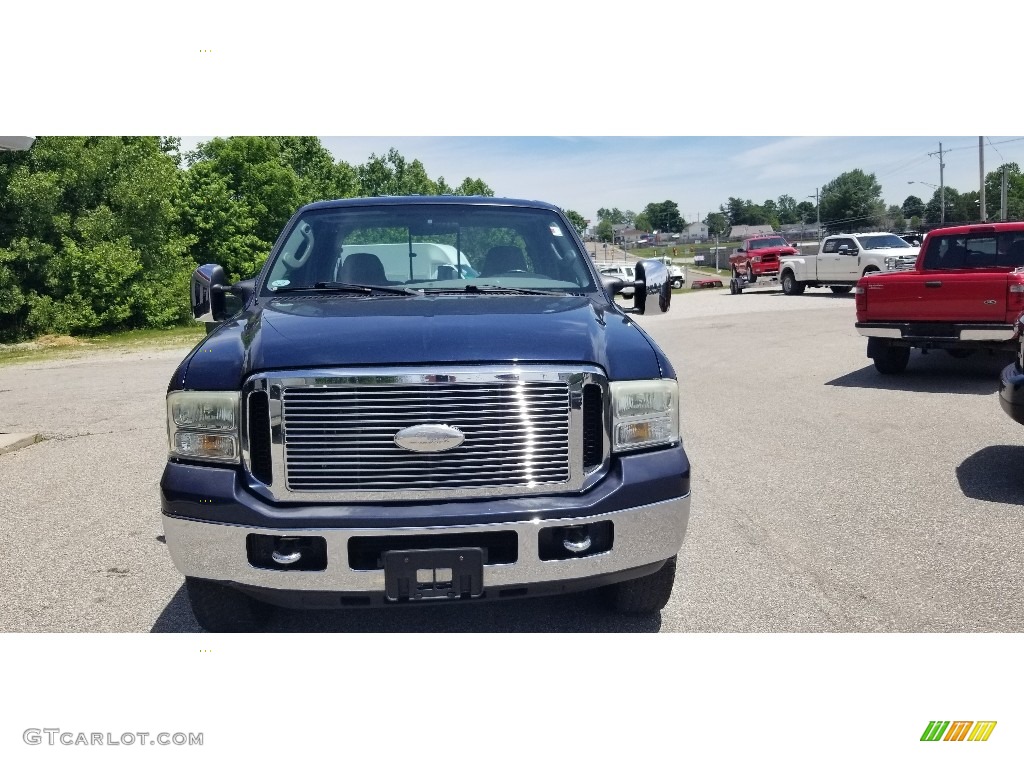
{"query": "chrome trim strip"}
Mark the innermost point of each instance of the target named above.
(1004, 334)
(643, 535)
(275, 383)
(884, 333)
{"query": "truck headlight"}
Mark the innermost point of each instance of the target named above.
(644, 413)
(203, 425)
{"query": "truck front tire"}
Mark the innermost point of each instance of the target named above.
(220, 608)
(643, 596)
(891, 359)
(791, 286)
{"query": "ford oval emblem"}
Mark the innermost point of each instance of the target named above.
(429, 438)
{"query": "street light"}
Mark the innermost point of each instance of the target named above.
(817, 206)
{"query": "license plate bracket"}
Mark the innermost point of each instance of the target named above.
(433, 574)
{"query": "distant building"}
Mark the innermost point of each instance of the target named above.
(743, 231)
(696, 231)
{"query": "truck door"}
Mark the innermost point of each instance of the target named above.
(828, 259)
(847, 263)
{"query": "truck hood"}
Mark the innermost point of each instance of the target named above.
(345, 331)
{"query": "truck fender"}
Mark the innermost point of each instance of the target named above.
(796, 264)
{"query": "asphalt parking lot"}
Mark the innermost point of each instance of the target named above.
(826, 498)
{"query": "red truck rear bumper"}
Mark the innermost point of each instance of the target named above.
(942, 334)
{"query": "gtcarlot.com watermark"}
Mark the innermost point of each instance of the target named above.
(56, 736)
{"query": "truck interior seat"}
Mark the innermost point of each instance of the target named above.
(362, 268)
(503, 258)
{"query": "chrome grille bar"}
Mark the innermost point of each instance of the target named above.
(333, 432)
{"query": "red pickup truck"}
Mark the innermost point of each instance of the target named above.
(965, 293)
(759, 256)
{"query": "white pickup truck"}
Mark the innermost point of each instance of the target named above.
(842, 260)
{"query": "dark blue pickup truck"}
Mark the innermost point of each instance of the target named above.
(423, 399)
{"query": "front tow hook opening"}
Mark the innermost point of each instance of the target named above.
(576, 540)
(287, 553)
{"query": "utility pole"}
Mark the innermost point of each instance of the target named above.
(1002, 197)
(981, 170)
(942, 186)
(817, 215)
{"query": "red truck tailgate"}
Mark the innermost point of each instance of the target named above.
(969, 296)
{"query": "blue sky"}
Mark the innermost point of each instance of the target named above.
(612, 106)
(585, 173)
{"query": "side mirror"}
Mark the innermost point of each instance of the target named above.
(612, 284)
(741, 249)
(207, 293)
(213, 300)
(653, 292)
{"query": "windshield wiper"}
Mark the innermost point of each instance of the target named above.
(495, 289)
(349, 288)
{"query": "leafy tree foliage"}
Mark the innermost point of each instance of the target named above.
(611, 215)
(851, 201)
(806, 212)
(102, 233)
(933, 210)
(663, 216)
(577, 221)
(718, 223)
(604, 231)
(1014, 192)
(90, 237)
(913, 206)
(894, 221)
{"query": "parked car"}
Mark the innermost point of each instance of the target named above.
(843, 259)
(759, 257)
(965, 294)
(1011, 383)
(624, 272)
(349, 437)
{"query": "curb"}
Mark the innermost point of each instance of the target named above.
(16, 440)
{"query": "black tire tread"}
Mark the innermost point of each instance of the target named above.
(220, 608)
(646, 595)
(893, 360)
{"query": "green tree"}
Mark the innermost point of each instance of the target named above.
(663, 216)
(612, 215)
(90, 236)
(957, 207)
(1014, 192)
(806, 212)
(604, 231)
(577, 221)
(850, 201)
(787, 210)
(894, 221)
(718, 223)
(913, 206)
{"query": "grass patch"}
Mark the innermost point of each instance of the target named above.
(54, 347)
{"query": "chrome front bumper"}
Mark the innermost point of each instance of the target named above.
(642, 536)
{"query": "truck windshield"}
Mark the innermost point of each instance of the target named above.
(768, 242)
(432, 247)
(875, 242)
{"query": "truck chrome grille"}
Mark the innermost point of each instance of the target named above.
(344, 438)
(529, 430)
